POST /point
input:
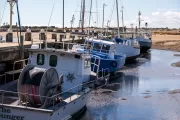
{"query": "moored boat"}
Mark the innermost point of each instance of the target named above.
(145, 41)
(105, 50)
(54, 85)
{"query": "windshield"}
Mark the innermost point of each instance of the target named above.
(105, 48)
(97, 47)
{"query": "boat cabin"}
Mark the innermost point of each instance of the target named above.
(104, 49)
(75, 67)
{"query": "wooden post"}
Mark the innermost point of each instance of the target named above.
(22, 46)
(9, 36)
(28, 36)
(54, 35)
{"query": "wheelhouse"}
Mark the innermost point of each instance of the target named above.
(75, 67)
(104, 47)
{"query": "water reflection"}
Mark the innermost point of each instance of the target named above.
(151, 72)
(128, 84)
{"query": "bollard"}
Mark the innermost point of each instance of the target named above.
(73, 37)
(54, 35)
(9, 36)
(28, 35)
(62, 35)
(42, 35)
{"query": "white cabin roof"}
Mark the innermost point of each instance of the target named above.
(58, 51)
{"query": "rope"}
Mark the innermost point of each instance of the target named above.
(49, 22)
(3, 13)
(111, 14)
(124, 9)
(50, 16)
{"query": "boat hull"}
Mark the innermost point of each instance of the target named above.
(145, 46)
(112, 65)
(65, 112)
(131, 52)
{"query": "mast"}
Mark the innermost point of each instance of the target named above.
(103, 17)
(11, 13)
(90, 17)
(80, 19)
(117, 17)
(97, 20)
(122, 18)
(63, 15)
(83, 15)
(139, 14)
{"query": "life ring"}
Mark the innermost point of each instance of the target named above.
(114, 64)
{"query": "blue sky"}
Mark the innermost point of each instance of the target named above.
(158, 13)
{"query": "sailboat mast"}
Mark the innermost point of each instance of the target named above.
(97, 20)
(103, 17)
(80, 19)
(11, 12)
(139, 14)
(63, 15)
(117, 17)
(90, 13)
(83, 15)
(122, 18)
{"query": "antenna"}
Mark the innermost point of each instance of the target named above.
(72, 22)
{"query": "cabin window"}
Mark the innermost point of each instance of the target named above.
(53, 61)
(97, 47)
(105, 48)
(87, 63)
(40, 59)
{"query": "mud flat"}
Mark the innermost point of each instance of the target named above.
(166, 42)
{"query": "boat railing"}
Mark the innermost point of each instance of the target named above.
(81, 90)
(24, 61)
(95, 64)
(14, 71)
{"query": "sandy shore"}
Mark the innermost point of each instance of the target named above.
(166, 42)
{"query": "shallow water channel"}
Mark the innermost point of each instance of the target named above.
(143, 92)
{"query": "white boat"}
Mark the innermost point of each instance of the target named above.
(54, 85)
(128, 46)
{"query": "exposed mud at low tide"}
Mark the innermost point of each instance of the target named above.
(177, 64)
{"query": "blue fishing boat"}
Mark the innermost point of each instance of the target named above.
(105, 50)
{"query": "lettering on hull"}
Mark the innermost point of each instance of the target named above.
(6, 114)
